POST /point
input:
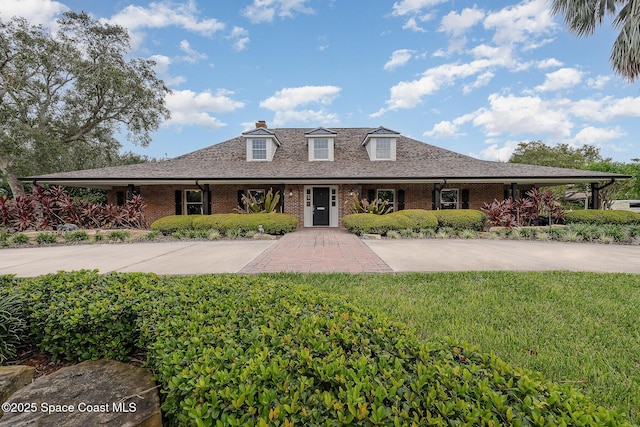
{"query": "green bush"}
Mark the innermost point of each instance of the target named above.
(82, 315)
(599, 217)
(75, 236)
(46, 238)
(13, 326)
(273, 223)
(119, 235)
(20, 239)
(464, 219)
(247, 350)
(172, 223)
(413, 219)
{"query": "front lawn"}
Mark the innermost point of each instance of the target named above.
(576, 328)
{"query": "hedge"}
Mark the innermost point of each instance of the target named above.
(413, 219)
(249, 350)
(600, 217)
(465, 219)
(273, 223)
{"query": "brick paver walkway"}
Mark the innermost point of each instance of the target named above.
(318, 250)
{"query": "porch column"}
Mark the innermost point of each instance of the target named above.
(206, 200)
(436, 196)
(595, 196)
(514, 191)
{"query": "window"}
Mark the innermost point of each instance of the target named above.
(259, 149)
(383, 149)
(449, 199)
(386, 195)
(321, 149)
(193, 202)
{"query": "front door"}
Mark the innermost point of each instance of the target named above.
(321, 206)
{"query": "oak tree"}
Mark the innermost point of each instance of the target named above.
(65, 97)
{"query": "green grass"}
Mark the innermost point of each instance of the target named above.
(578, 328)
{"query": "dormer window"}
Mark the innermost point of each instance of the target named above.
(261, 145)
(383, 148)
(321, 144)
(259, 149)
(381, 144)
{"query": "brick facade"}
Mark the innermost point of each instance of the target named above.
(160, 199)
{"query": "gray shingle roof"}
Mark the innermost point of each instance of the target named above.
(416, 161)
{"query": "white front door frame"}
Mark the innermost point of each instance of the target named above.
(309, 205)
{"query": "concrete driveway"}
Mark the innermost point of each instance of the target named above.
(179, 257)
(322, 250)
(485, 254)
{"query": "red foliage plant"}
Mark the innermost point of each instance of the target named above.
(49, 208)
(536, 208)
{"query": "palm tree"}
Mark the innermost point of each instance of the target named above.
(583, 16)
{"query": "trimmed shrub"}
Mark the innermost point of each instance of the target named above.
(172, 223)
(119, 236)
(247, 350)
(413, 219)
(464, 219)
(600, 217)
(273, 223)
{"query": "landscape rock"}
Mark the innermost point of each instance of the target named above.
(264, 237)
(370, 236)
(91, 393)
(13, 378)
(68, 227)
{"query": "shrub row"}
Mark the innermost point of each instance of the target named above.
(412, 219)
(245, 350)
(601, 217)
(465, 219)
(273, 223)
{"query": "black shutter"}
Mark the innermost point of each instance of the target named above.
(400, 200)
(433, 199)
(207, 200)
(371, 195)
(465, 199)
(120, 198)
(178, 202)
(240, 201)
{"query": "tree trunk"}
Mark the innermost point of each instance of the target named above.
(17, 189)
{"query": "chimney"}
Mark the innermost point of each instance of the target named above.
(261, 124)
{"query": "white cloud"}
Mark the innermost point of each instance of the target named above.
(496, 153)
(293, 97)
(192, 56)
(408, 7)
(521, 22)
(240, 38)
(549, 63)
(598, 82)
(444, 129)
(528, 114)
(595, 136)
(482, 80)
(266, 10)
(191, 108)
(398, 58)
(167, 14)
(409, 94)
(37, 12)
(456, 24)
(162, 68)
(561, 79)
(287, 103)
(412, 25)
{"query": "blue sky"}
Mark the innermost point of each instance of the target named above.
(473, 78)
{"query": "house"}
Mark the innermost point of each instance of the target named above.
(318, 172)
